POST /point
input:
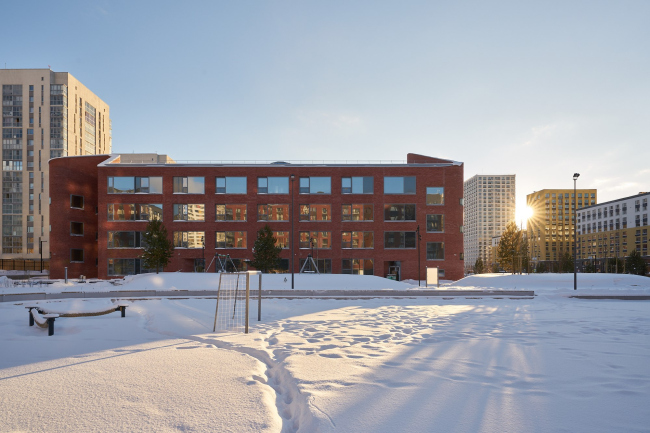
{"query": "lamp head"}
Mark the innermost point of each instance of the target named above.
(576, 176)
(292, 177)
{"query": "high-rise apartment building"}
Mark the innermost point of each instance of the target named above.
(489, 206)
(45, 115)
(550, 228)
(613, 230)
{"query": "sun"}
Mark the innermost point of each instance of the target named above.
(523, 213)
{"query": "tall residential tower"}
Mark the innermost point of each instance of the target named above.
(45, 115)
(489, 206)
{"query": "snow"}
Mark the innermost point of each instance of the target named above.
(457, 364)
(176, 281)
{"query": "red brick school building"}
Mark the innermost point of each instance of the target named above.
(353, 218)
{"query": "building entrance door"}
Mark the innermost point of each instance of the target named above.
(394, 270)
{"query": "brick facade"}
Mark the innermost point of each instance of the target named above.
(429, 172)
(73, 176)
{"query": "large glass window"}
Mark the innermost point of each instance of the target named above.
(281, 239)
(148, 185)
(273, 185)
(404, 240)
(231, 212)
(122, 267)
(324, 265)
(315, 212)
(130, 185)
(189, 185)
(357, 240)
(125, 240)
(357, 212)
(320, 240)
(435, 223)
(357, 185)
(121, 185)
(399, 185)
(231, 240)
(435, 250)
(357, 266)
(231, 185)
(134, 212)
(188, 239)
(315, 185)
(273, 212)
(399, 212)
(435, 195)
(189, 212)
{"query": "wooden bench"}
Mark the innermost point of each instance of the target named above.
(36, 309)
(122, 307)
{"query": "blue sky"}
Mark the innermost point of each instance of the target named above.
(539, 89)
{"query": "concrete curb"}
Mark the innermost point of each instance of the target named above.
(270, 294)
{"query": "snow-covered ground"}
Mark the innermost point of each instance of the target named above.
(174, 281)
(448, 364)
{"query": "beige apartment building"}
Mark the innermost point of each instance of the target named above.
(613, 230)
(45, 115)
(550, 229)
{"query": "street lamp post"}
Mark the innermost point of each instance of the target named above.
(575, 232)
(40, 249)
(417, 230)
(292, 177)
(203, 254)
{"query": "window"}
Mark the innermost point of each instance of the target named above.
(76, 229)
(125, 240)
(404, 240)
(231, 185)
(76, 256)
(357, 185)
(189, 185)
(273, 212)
(435, 223)
(121, 185)
(231, 240)
(189, 212)
(134, 212)
(435, 250)
(357, 240)
(357, 212)
(324, 265)
(320, 240)
(399, 185)
(231, 212)
(435, 195)
(399, 212)
(148, 185)
(315, 185)
(119, 267)
(76, 201)
(357, 266)
(273, 185)
(188, 239)
(281, 239)
(130, 185)
(315, 212)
